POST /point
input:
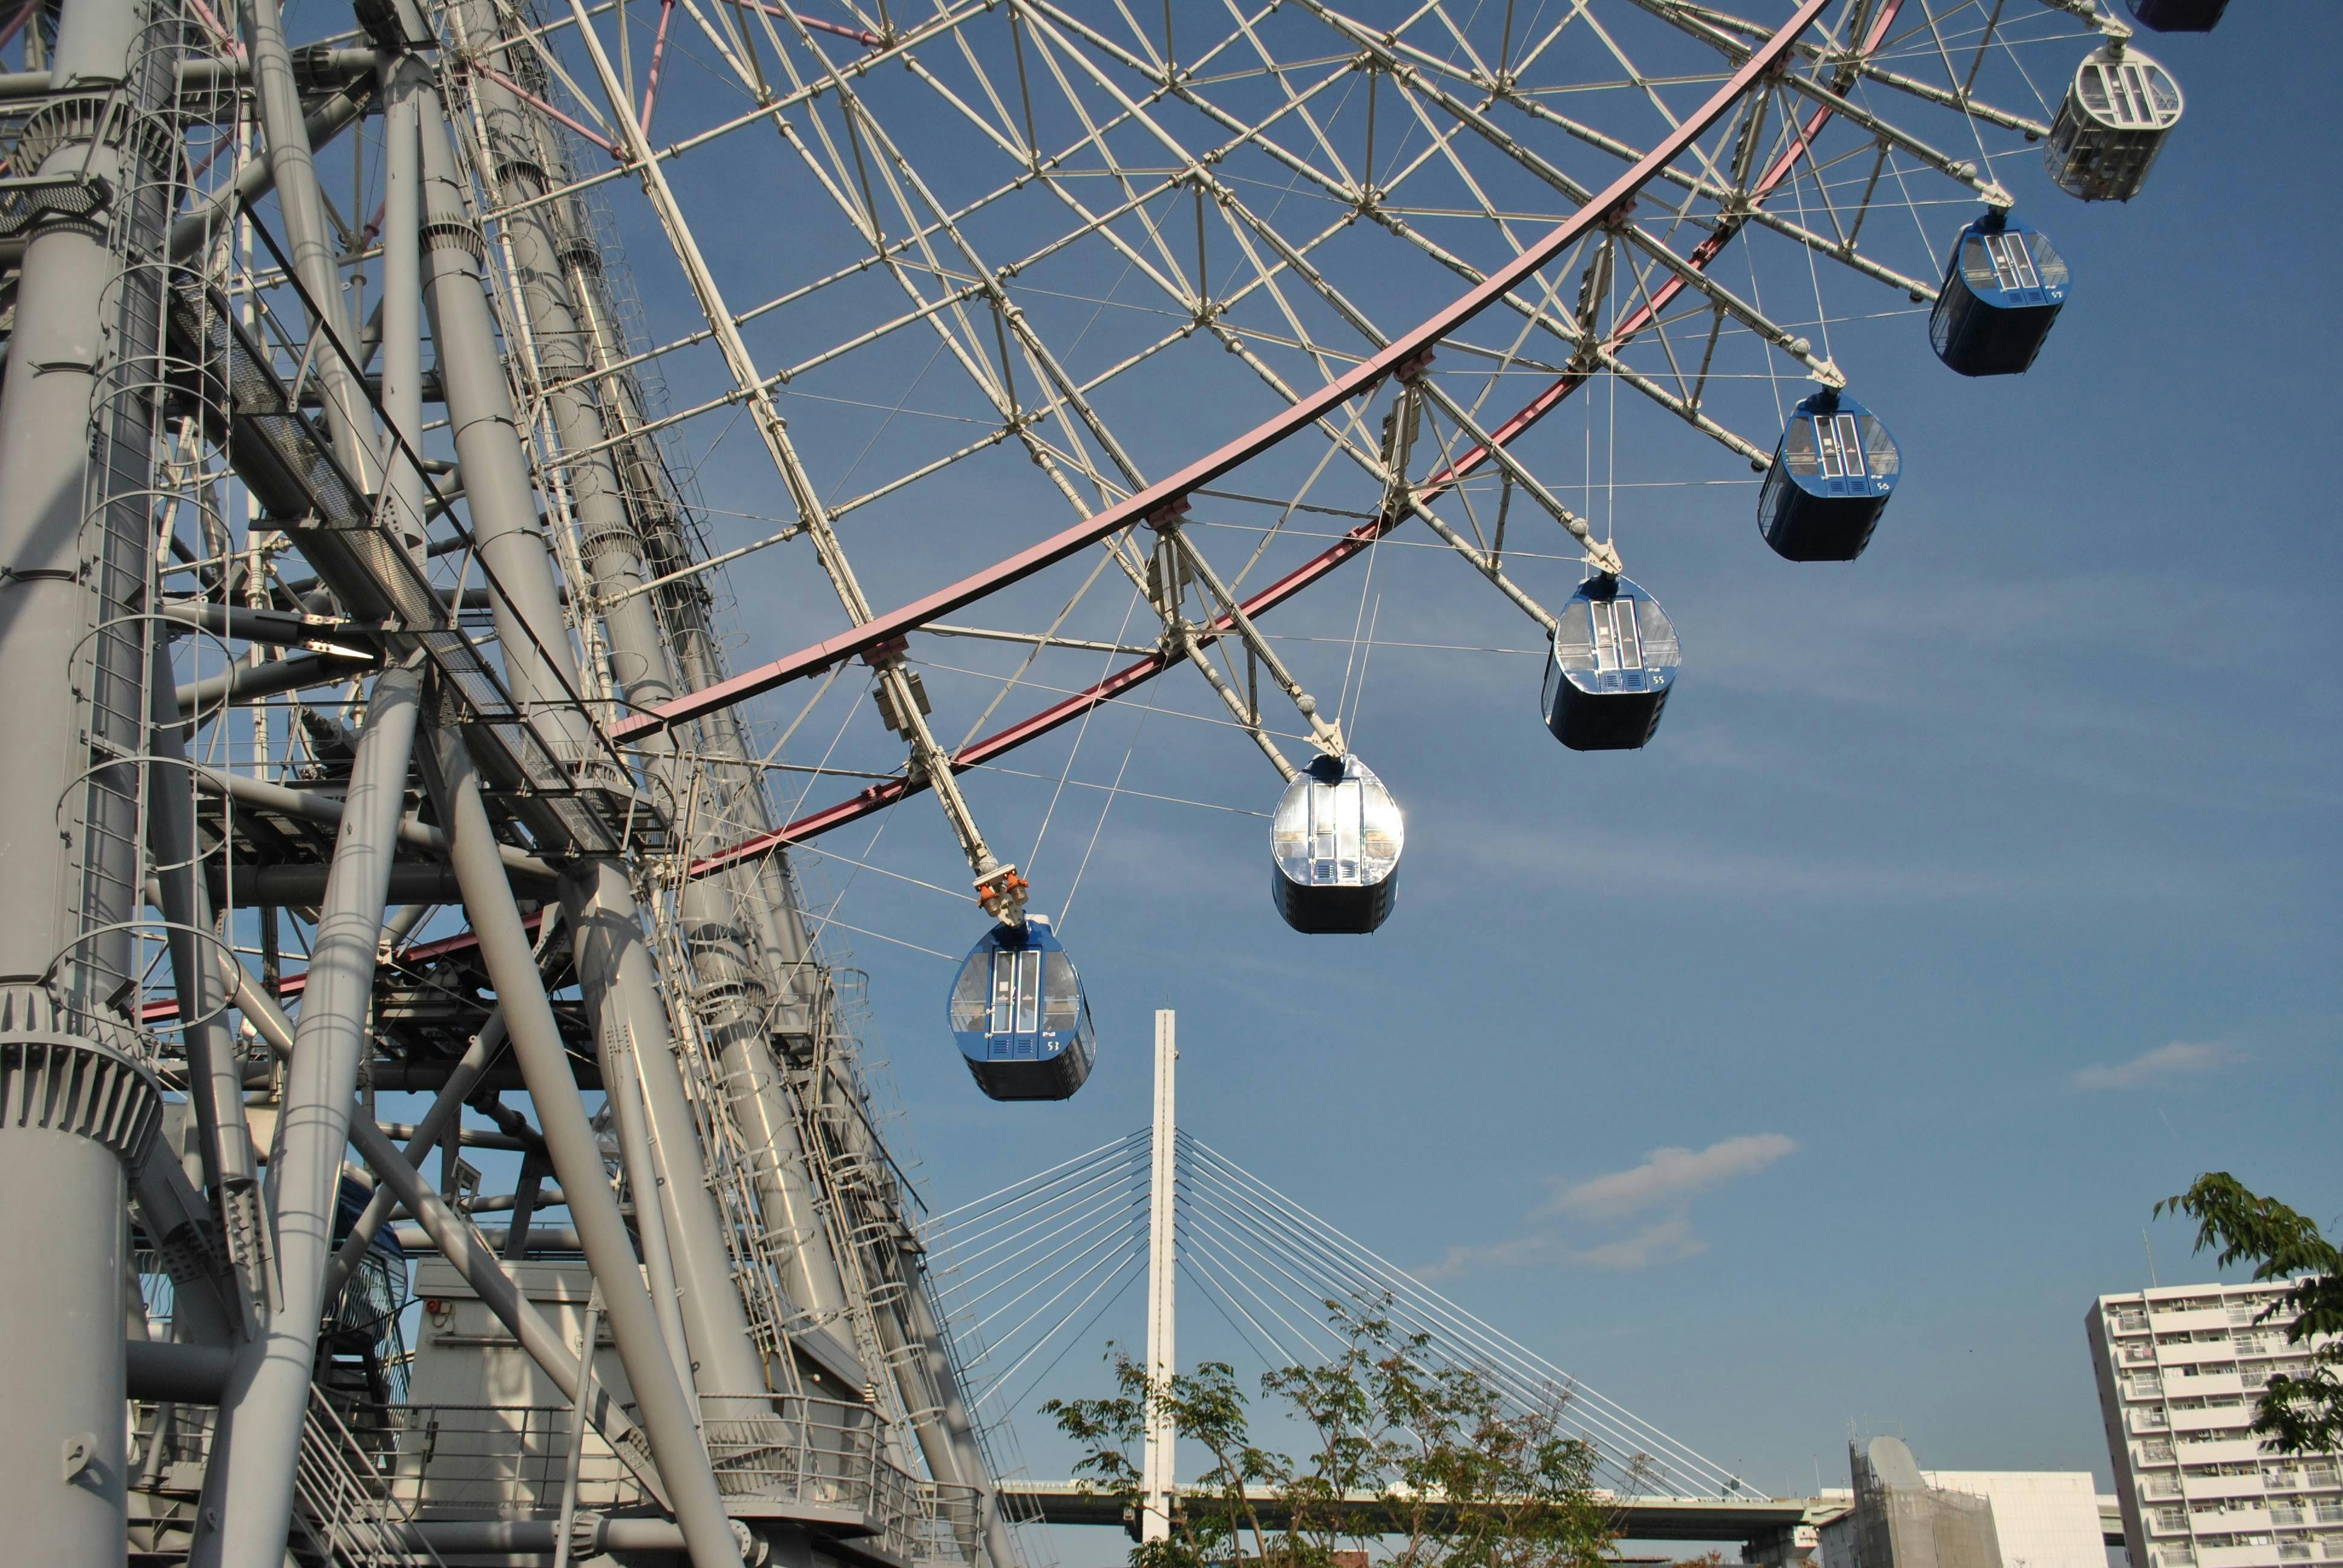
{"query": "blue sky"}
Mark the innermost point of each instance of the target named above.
(1822, 1062)
(1819, 1064)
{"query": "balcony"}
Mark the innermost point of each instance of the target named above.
(2218, 1419)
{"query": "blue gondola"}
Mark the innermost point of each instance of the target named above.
(1833, 472)
(1614, 664)
(2178, 15)
(1019, 1015)
(1334, 846)
(2003, 287)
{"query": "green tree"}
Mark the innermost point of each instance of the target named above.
(1427, 1467)
(2297, 1414)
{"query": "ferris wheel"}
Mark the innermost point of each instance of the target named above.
(1150, 303)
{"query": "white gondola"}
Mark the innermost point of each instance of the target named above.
(2118, 109)
(1334, 846)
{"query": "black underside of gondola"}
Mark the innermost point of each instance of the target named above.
(1333, 911)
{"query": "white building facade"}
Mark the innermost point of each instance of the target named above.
(2179, 1370)
(2042, 1518)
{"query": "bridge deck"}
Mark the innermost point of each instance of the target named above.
(1742, 1519)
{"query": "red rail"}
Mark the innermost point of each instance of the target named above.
(1315, 406)
(979, 752)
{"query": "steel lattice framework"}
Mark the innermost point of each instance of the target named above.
(373, 528)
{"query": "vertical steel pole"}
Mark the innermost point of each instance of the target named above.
(1160, 1485)
(402, 298)
(349, 421)
(214, 1081)
(248, 1486)
(64, 1052)
(46, 603)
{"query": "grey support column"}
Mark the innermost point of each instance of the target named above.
(539, 669)
(75, 1115)
(215, 1080)
(402, 298)
(668, 1416)
(555, 263)
(248, 1488)
(622, 993)
(73, 1107)
(349, 421)
(620, 984)
(953, 1414)
(448, 1105)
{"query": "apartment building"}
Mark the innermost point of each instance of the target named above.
(2179, 1370)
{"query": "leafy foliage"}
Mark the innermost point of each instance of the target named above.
(2299, 1414)
(1435, 1466)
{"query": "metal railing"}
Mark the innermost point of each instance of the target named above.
(496, 1461)
(774, 1452)
(819, 1453)
(353, 1517)
(347, 1511)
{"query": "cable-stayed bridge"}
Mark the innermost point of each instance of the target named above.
(1027, 1272)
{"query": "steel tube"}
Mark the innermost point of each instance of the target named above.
(646, 1182)
(462, 1079)
(567, 331)
(186, 1373)
(402, 300)
(349, 418)
(250, 682)
(577, 1156)
(622, 992)
(621, 985)
(215, 1078)
(63, 1453)
(248, 1487)
(326, 122)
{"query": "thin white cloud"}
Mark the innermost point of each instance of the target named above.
(1669, 1178)
(1664, 1242)
(1669, 1175)
(2181, 1058)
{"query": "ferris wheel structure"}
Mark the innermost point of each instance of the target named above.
(484, 484)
